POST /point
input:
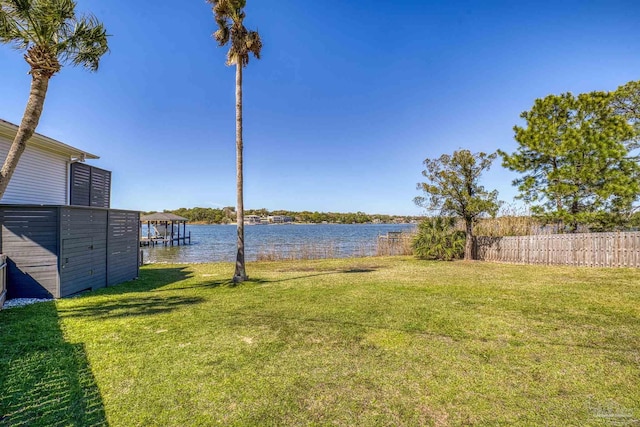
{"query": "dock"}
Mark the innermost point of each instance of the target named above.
(164, 229)
(153, 241)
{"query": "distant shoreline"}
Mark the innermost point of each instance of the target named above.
(302, 223)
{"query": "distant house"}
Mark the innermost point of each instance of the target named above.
(279, 219)
(252, 219)
(57, 229)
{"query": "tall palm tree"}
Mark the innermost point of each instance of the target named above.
(229, 16)
(50, 34)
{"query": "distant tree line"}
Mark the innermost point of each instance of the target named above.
(227, 215)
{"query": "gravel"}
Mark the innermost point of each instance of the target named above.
(21, 302)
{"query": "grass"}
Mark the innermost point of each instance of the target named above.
(374, 341)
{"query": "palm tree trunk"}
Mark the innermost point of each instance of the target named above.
(30, 119)
(468, 246)
(240, 274)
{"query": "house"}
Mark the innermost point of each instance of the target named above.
(57, 229)
(279, 219)
(252, 220)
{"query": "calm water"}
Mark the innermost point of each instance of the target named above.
(210, 243)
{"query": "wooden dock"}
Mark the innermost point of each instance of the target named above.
(166, 241)
(166, 230)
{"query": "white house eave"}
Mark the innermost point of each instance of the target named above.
(9, 130)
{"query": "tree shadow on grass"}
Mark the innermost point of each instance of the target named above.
(162, 280)
(307, 276)
(44, 380)
(204, 284)
(261, 281)
(129, 307)
(134, 298)
(150, 279)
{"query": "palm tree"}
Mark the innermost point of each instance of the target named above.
(229, 16)
(50, 34)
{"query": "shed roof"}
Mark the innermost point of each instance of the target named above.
(162, 216)
(44, 142)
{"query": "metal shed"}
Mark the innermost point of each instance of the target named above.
(57, 251)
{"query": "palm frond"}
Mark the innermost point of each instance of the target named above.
(14, 28)
(253, 43)
(8, 28)
(86, 44)
(50, 33)
(229, 16)
(21, 8)
(223, 33)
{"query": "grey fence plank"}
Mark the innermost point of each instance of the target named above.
(621, 249)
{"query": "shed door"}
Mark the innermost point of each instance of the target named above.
(80, 266)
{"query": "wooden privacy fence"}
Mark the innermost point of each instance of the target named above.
(584, 249)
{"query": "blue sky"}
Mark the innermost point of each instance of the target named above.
(348, 100)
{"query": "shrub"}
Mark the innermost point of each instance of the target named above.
(437, 239)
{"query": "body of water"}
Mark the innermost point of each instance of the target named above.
(211, 243)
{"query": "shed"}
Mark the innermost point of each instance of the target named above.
(57, 251)
(57, 230)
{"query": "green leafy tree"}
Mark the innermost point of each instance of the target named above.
(50, 35)
(626, 103)
(574, 154)
(453, 190)
(437, 239)
(229, 16)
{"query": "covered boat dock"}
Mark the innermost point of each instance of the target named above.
(164, 229)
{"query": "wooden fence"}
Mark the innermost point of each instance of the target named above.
(583, 249)
(3, 279)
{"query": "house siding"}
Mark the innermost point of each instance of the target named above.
(41, 177)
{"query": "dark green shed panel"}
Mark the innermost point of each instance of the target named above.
(80, 194)
(123, 246)
(90, 186)
(56, 251)
(29, 239)
(83, 255)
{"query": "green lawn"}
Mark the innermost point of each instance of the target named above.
(372, 341)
